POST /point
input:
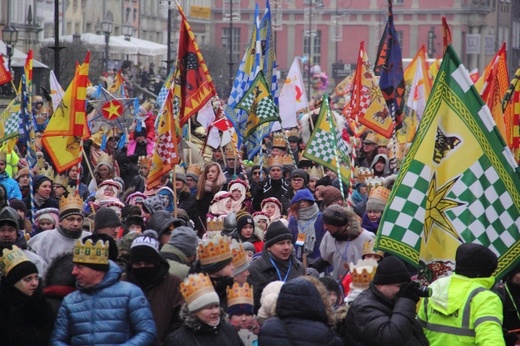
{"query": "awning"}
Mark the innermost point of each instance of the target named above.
(145, 47)
(19, 57)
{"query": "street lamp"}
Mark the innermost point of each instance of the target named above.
(128, 31)
(10, 37)
(107, 26)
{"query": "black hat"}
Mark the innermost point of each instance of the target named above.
(244, 218)
(38, 180)
(335, 215)
(106, 217)
(18, 205)
(391, 270)
(141, 132)
(277, 232)
(325, 181)
(301, 174)
(9, 215)
(475, 260)
(20, 271)
(145, 248)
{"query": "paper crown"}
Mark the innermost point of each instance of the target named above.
(71, 190)
(215, 250)
(215, 224)
(383, 142)
(90, 253)
(279, 140)
(194, 169)
(239, 254)
(316, 172)
(379, 192)
(105, 159)
(292, 133)
(275, 160)
(287, 160)
(239, 294)
(230, 153)
(374, 182)
(363, 273)
(3, 156)
(368, 249)
(72, 201)
(363, 174)
(195, 286)
(10, 259)
(60, 179)
(144, 161)
(47, 172)
(40, 163)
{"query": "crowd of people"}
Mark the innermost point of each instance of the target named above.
(231, 252)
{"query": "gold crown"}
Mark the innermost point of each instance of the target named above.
(373, 183)
(144, 161)
(90, 253)
(215, 224)
(194, 286)
(215, 250)
(71, 190)
(279, 140)
(275, 160)
(40, 163)
(379, 192)
(239, 294)
(239, 254)
(47, 172)
(292, 132)
(362, 273)
(106, 159)
(288, 160)
(60, 179)
(368, 249)
(383, 142)
(363, 174)
(72, 201)
(256, 160)
(316, 172)
(10, 259)
(194, 169)
(230, 153)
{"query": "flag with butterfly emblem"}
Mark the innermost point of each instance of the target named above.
(326, 145)
(458, 184)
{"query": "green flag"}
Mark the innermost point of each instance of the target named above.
(458, 184)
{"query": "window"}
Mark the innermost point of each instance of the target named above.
(316, 45)
(235, 44)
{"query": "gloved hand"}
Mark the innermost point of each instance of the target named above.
(410, 291)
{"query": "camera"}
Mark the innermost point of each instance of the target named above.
(424, 291)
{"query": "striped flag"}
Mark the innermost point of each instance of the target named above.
(459, 183)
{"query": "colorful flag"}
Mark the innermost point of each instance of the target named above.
(195, 87)
(5, 74)
(118, 87)
(68, 125)
(56, 91)
(164, 90)
(165, 154)
(292, 98)
(326, 146)
(367, 103)
(446, 34)
(459, 183)
(259, 105)
(389, 67)
(419, 91)
(511, 106)
(10, 119)
(269, 51)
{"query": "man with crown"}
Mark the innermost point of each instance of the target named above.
(138, 183)
(11, 185)
(54, 242)
(104, 310)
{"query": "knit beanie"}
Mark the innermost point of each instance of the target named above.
(301, 174)
(244, 218)
(38, 180)
(17, 204)
(375, 204)
(276, 232)
(335, 215)
(474, 260)
(268, 300)
(185, 239)
(302, 195)
(153, 204)
(330, 195)
(181, 177)
(391, 270)
(106, 217)
(325, 181)
(145, 248)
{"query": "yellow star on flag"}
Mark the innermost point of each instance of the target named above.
(112, 109)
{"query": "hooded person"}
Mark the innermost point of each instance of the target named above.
(149, 270)
(181, 250)
(25, 314)
(466, 289)
(273, 208)
(380, 166)
(277, 261)
(204, 321)
(164, 223)
(221, 204)
(344, 240)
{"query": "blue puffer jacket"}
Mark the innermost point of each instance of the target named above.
(110, 313)
(11, 186)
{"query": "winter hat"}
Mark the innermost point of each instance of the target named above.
(15, 265)
(474, 260)
(17, 204)
(47, 217)
(275, 233)
(330, 195)
(38, 180)
(301, 174)
(134, 220)
(268, 300)
(141, 132)
(198, 292)
(185, 239)
(302, 195)
(125, 242)
(239, 299)
(335, 215)
(391, 270)
(244, 218)
(181, 177)
(21, 172)
(153, 204)
(106, 217)
(325, 181)
(249, 247)
(163, 220)
(145, 248)
(10, 216)
(260, 215)
(214, 254)
(54, 213)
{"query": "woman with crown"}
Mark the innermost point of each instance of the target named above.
(25, 314)
(104, 170)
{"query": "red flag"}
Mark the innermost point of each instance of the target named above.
(5, 74)
(446, 34)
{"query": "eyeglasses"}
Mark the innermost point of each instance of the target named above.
(256, 173)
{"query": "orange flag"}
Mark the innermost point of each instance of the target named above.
(195, 87)
(5, 75)
(117, 88)
(68, 125)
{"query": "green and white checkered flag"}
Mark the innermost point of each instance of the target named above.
(259, 105)
(459, 183)
(10, 121)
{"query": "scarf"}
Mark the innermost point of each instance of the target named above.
(305, 221)
(369, 225)
(39, 200)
